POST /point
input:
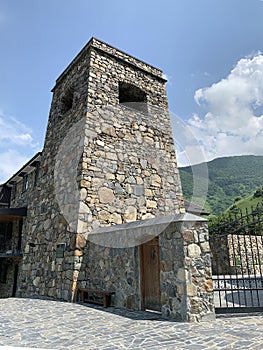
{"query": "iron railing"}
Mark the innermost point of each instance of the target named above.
(236, 243)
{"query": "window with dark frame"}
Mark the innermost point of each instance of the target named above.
(25, 183)
(60, 250)
(132, 96)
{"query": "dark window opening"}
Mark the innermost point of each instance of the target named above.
(3, 273)
(67, 101)
(133, 97)
(6, 229)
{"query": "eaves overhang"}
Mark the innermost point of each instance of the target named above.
(27, 168)
(137, 232)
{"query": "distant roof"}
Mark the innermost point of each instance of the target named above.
(194, 208)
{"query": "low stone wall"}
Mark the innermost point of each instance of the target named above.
(237, 254)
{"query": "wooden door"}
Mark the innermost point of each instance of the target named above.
(150, 275)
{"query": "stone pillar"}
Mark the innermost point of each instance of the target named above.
(185, 271)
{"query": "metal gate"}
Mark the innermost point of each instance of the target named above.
(237, 262)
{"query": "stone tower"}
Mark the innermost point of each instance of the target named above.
(108, 167)
(128, 169)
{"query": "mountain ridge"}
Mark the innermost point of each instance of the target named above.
(228, 178)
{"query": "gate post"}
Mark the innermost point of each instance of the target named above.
(185, 270)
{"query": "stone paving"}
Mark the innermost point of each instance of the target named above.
(48, 324)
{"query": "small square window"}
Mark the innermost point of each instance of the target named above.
(60, 250)
(132, 96)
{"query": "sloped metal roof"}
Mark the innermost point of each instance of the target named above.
(195, 208)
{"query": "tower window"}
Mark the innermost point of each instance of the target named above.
(132, 96)
(67, 100)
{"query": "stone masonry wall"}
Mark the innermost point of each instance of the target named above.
(112, 269)
(237, 254)
(40, 273)
(185, 273)
(129, 171)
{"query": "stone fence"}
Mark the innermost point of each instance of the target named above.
(241, 254)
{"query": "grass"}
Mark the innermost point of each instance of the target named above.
(245, 203)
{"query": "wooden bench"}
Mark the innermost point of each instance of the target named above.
(94, 296)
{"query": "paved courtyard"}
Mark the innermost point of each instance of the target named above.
(38, 323)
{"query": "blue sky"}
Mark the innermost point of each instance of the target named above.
(210, 50)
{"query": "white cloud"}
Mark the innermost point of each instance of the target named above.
(14, 133)
(232, 124)
(10, 162)
(16, 146)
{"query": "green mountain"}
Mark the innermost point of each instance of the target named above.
(228, 178)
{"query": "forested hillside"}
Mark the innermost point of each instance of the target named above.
(229, 178)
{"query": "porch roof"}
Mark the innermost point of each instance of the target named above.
(137, 232)
(10, 214)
